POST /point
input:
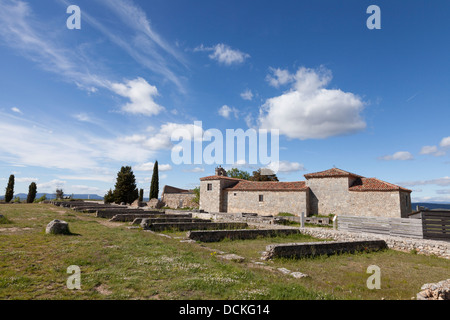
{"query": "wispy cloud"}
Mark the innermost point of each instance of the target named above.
(399, 156)
(445, 181)
(224, 54)
(247, 95)
(16, 110)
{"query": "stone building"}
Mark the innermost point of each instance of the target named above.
(333, 191)
(178, 198)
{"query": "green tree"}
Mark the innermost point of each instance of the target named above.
(59, 194)
(125, 188)
(257, 176)
(10, 189)
(154, 185)
(238, 174)
(109, 197)
(197, 195)
(32, 190)
(141, 195)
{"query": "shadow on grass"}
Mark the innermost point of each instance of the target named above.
(5, 220)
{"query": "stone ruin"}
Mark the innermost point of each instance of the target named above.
(435, 291)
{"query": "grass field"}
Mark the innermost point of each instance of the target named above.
(119, 263)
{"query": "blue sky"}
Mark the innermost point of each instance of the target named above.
(76, 105)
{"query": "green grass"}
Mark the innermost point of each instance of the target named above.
(118, 263)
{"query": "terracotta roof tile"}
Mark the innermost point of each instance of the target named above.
(245, 185)
(373, 184)
(218, 178)
(331, 173)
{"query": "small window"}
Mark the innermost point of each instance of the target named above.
(209, 186)
(235, 194)
(261, 198)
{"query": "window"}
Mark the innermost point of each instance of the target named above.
(209, 186)
(261, 198)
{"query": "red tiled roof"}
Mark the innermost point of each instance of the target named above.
(331, 173)
(218, 178)
(245, 185)
(373, 184)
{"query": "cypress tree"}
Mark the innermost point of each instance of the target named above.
(125, 188)
(109, 197)
(154, 186)
(10, 189)
(141, 195)
(32, 190)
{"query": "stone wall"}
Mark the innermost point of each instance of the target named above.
(300, 250)
(179, 200)
(218, 235)
(373, 203)
(420, 246)
(213, 200)
(274, 202)
(210, 199)
(328, 195)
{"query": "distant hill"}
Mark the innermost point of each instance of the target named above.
(430, 205)
(23, 196)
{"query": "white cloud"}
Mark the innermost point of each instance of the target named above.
(27, 180)
(195, 170)
(445, 142)
(83, 189)
(286, 166)
(226, 111)
(310, 111)
(161, 139)
(444, 191)
(63, 148)
(401, 156)
(83, 117)
(149, 167)
(247, 95)
(279, 77)
(141, 94)
(51, 186)
(428, 150)
(445, 181)
(16, 110)
(224, 54)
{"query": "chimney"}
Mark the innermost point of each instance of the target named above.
(221, 171)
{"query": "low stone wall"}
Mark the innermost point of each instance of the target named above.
(242, 217)
(300, 250)
(218, 235)
(421, 246)
(107, 214)
(197, 226)
(146, 222)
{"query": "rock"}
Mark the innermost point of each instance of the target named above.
(284, 270)
(299, 275)
(435, 291)
(57, 227)
(145, 223)
(231, 257)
